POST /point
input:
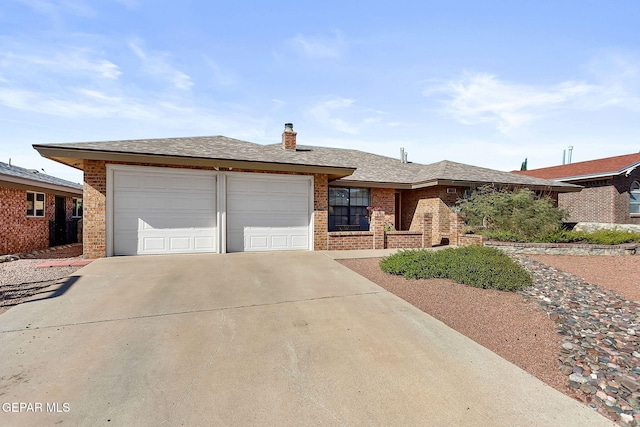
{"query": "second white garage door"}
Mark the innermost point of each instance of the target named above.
(268, 212)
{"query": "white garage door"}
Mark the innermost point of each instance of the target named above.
(267, 212)
(163, 211)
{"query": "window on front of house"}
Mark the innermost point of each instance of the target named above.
(348, 209)
(77, 208)
(35, 204)
(634, 198)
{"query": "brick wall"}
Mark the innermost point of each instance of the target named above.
(403, 239)
(320, 212)
(19, 233)
(385, 199)
(471, 239)
(377, 238)
(603, 200)
(622, 185)
(440, 217)
(349, 240)
(410, 198)
(592, 204)
(94, 231)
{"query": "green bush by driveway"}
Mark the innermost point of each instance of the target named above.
(477, 266)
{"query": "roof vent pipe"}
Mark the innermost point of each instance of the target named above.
(402, 155)
(406, 157)
(570, 149)
(564, 156)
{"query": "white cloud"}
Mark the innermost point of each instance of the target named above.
(325, 113)
(221, 77)
(342, 115)
(157, 65)
(72, 63)
(55, 9)
(77, 104)
(129, 4)
(318, 47)
(483, 98)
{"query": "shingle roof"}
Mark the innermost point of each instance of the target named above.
(34, 175)
(369, 167)
(591, 168)
(210, 147)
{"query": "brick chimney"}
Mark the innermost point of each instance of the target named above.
(289, 137)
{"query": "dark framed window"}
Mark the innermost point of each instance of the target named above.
(35, 204)
(348, 209)
(77, 208)
(634, 198)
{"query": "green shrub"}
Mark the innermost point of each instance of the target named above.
(476, 266)
(519, 212)
(610, 237)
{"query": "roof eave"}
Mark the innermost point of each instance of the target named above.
(467, 183)
(30, 184)
(370, 184)
(598, 175)
(71, 157)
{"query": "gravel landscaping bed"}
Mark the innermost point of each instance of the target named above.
(19, 279)
(579, 337)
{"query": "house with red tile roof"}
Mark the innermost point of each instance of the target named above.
(611, 191)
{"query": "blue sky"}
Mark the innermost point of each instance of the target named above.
(487, 83)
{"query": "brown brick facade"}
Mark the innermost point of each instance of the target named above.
(589, 205)
(602, 200)
(384, 199)
(21, 233)
(320, 212)
(410, 198)
(94, 237)
(434, 214)
(402, 239)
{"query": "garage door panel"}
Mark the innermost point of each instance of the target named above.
(267, 212)
(127, 201)
(156, 212)
(153, 182)
(126, 181)
(153, 244)
(179, 243)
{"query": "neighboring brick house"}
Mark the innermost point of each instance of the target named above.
(218, 194)
(611, 192)
(36, 210)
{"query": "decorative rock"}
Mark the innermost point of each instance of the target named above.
(566, 370)
(578, 378)
(630, 384)
(600, 331)
(588, 389)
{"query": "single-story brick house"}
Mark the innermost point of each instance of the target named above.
(218, 194)
(36, 210)
(611, 192)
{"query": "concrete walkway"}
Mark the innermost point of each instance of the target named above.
(253, 339)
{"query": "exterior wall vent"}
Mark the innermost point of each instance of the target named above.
(452, 190)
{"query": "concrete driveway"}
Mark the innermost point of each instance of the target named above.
(253, 339)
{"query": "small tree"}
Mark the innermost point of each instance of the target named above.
(519, 212)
